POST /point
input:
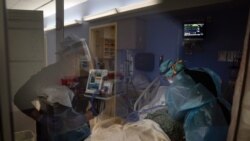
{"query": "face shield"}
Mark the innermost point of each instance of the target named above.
(170, 80)
(169, 69)
(76, 53)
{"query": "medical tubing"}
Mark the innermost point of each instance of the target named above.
(92, 103)
(134, 116)
(130, 103)
(152, 108)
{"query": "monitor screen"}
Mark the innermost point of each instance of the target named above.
(194, 30)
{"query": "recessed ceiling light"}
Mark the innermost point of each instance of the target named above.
(100, 15)
(50, 8)
(139, 5)
(66, 23)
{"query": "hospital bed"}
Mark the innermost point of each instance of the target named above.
(151, 96)
(149, 101)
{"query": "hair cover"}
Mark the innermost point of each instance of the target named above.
(169, 68)
(71, 44)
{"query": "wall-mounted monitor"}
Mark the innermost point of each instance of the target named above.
(194, 30)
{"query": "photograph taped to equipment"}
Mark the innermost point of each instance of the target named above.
(95, 80)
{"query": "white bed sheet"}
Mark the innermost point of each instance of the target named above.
(115, 130)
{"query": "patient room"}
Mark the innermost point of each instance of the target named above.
(125, 70)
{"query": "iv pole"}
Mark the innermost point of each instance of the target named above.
(6, 115)
(129, 70)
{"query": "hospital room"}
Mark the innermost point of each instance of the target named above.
(125, 70)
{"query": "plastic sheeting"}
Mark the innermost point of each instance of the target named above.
(135, 88)
(217, 81)
(206, 123)
(158, 102)
(195, 106)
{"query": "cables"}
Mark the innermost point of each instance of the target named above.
(135, 115)
(97, 106)
(94, 105)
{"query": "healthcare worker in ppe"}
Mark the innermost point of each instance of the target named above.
(66, 123)
(193, 98)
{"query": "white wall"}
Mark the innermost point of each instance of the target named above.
(89, 7)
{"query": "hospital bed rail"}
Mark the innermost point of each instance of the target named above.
(148, 94)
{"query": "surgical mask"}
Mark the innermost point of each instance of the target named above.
(170, 81)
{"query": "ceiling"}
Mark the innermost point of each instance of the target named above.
(48, 6)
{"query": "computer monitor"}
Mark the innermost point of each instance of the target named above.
(194, 30)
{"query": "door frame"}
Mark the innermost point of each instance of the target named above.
(6, 118)
(92, 50)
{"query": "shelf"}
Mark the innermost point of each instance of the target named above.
(98, 97)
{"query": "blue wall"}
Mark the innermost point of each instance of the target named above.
(88, 8)
(163, 38)
(225, 31)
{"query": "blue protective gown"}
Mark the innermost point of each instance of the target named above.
(197, 108)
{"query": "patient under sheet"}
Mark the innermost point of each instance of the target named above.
(172, 128)
(114, 130)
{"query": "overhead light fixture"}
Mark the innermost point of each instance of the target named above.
(67, 23)
(73, 22)
(49, 8)
(139, 5)
(48, 28)
(100, 15)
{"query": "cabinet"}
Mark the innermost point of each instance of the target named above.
(131, 33)
(109, 48)
(103, 45)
